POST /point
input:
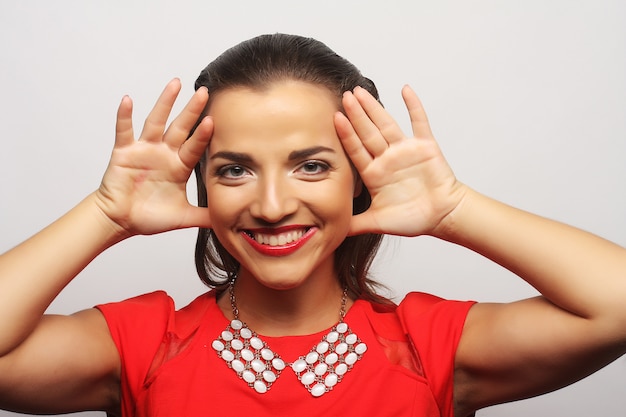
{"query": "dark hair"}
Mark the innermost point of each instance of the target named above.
(256, 64)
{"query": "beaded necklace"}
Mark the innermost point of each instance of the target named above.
(319, 371)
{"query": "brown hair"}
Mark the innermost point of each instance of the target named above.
(256, 63)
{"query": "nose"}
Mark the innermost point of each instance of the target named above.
(274, 201)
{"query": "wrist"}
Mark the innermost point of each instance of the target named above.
(109, 230)
(450, 225)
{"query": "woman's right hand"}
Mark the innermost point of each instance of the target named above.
(51, 364)
(143, 190)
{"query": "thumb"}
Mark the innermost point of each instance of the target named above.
(363, 223)
(197, 217)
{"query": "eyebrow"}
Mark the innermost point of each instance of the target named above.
(307, 152)
(294, 155)
(233, 156)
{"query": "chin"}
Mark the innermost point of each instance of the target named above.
(281, 285)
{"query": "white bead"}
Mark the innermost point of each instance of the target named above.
(332, 337)
(341, 348)
(341, 369)
(269, 376)
(278, 364)
(217, 345)
(247, 354)
(322, 347)
(256, 343)
(227, 355)
(248, 376)
(298, 366)
(351, 358)
(321, 369)
(238, 366)
(331, 359)
(318, 390)
(312, 357)
(258, 366)
(331, 380)
(308, 378)
(267, 354)
(260, 387)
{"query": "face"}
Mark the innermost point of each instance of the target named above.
(279, 184)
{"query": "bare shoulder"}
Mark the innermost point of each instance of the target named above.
(68, 363)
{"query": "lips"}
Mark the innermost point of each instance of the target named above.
(279, 242)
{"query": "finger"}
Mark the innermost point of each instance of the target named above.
(351, 143)
(383, 121)
(178, 131)
(192, 150)
(417, 114)
(364, 127)
(124, 123)
(363, 223)
(154, 125)
(197, 217)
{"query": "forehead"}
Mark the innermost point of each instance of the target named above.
(286, 110)
(288, 92)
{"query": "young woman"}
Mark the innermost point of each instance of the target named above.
(301, 171)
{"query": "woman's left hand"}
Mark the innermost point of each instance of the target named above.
(412, 186)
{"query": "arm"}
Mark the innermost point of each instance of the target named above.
(507, 351)
(578, 325)
(55, 363)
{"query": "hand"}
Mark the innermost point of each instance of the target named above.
(143, 190)
(412, 187)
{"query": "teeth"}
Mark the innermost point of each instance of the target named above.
(278, 240)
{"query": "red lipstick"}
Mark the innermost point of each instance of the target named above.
(278, 250)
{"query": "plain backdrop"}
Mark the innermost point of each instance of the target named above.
(527, 99)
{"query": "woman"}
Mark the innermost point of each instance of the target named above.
(301, 171)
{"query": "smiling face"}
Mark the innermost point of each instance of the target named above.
(278, 182)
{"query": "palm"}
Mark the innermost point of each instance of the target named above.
(411, 184)
(144, 188)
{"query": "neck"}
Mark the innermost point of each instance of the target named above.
(305, 309)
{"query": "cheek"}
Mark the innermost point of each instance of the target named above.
(332, 203)
(224, 204)
(224, 213)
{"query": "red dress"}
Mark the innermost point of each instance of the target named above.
(170, 369)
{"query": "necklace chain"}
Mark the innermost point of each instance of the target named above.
(235, 309)
(319, 371)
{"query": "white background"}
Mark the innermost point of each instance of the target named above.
(527, 99)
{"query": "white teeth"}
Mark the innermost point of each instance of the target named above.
(280, 239)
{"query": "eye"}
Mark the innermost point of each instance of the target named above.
(231, 171)
(314, 167)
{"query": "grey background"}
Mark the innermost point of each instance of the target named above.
(527, 99)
